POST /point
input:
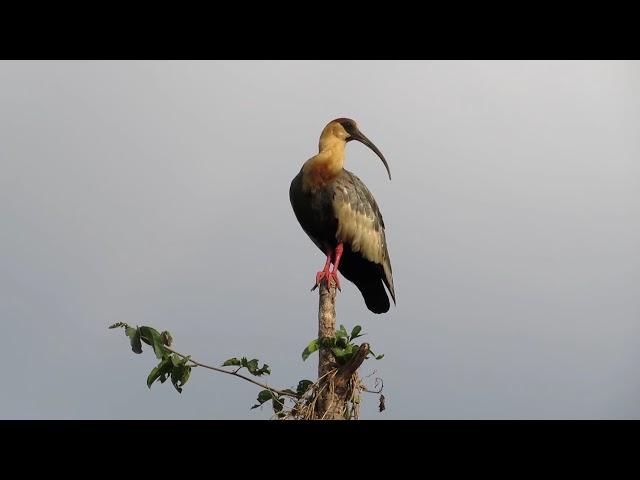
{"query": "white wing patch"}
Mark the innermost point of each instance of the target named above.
(358, 230)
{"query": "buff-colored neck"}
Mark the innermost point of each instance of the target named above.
(327, 164)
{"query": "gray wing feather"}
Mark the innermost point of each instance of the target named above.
(351, 189)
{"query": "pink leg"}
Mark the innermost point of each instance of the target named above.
(336, 262)
(324, 273)
(330, 275)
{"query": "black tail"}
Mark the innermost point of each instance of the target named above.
(375, 296)
(368, 277)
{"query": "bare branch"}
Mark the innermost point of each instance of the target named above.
(337, 398)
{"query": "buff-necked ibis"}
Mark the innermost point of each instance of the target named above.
(342, 218)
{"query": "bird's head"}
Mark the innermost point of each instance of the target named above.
(343, 130)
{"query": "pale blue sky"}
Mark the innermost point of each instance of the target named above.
(157, 193)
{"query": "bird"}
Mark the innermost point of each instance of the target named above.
(340, 215)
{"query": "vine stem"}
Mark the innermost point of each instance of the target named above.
(235, 374)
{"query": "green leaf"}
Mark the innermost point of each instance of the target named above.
(158, 345)
(252, 366)
(342, 342)
(303, 385)
(185, 375)
(145, 335)
(342, 332)
(355, 332)
(134, 335)
(152, 337)
(338, 352)
(263, 396)
(161, 371)
(278, 403)
(312, 347)
(175, 379)
(327, 342)
(166, 372)
(379, 357)
(231, 361)
(177, 375)
(153, 376)
(348, 351)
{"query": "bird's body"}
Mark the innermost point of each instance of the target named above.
(340, 215)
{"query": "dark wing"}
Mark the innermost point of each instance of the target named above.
(361, 228)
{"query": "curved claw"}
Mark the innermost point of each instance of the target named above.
(326, 273)
(319, 276)
(334, 276)
(329, 276)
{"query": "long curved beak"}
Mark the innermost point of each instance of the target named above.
(359, 136)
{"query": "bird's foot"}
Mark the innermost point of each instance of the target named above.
(334, 276)
(326, 274)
